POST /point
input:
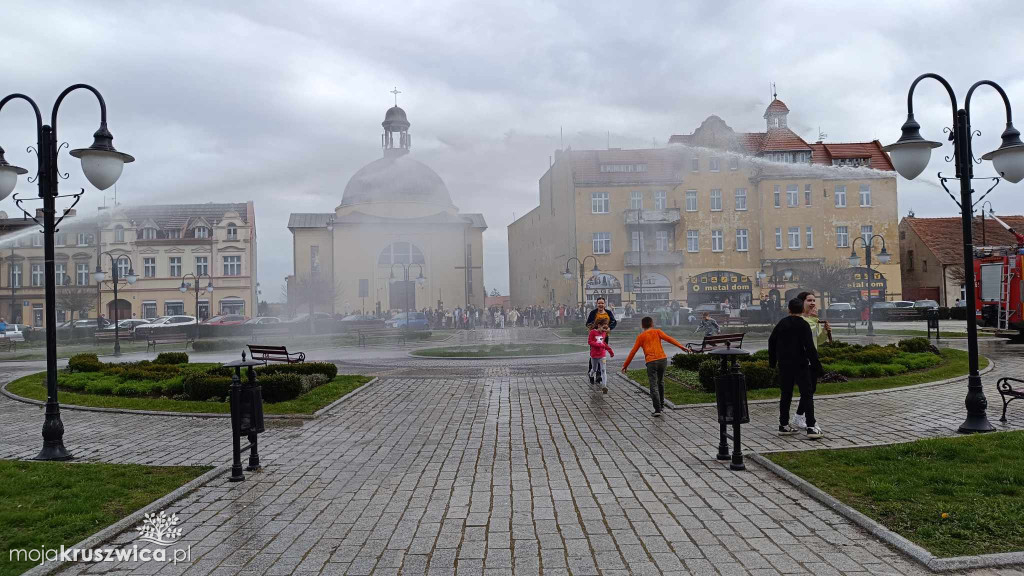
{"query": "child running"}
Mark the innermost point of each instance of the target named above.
(599, 349)
(650, 340)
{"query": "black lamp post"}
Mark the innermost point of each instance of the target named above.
(910, 155)
(194, 286)
(883, 258)
(102, 165)
(593, 273)
(115, 278)
(419, 281)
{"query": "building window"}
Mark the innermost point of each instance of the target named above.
(778, 238)
(60, 275)
(174, 234)
(149, 233)
(174, 266)
(794, 237)
(623, 167)
(174, 308)
(840, 196)
(692, 240)
(636, 200)
(82, 274)
(201, 232)
(627, 282)
(123, 267)
(638, 241)
(741, 199)
(810, 237)
(314, 259)
(865, 233)
(716, 200)
(149, 267)
(202, 265)
(910, 260)
(61, 239)
(924, 265)
(602, 242)
(660, 200)
(714, 164)
(865, 195)
(777, 196)
(232, 306)
(842, 237)
(37, 240)
(14, 279)
(232, 232)
(84, 239)
(807, 194)
(695, 164)
(661, 238)
(599, 202)
(734, 163)
(717, 241)
(37, 315)
(792, 195)
(741, 240)
(37, 275)
(691, 200)
(232, 265)
(118, 233)
(149, 310)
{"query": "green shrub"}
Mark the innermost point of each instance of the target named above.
(200, 386)
(217, 345)
(689, 362)
(875, 356)
(74, 381)
(313, 381)
(328, 369)
(872, 371)
(706, 374)
(280, 387)
(153, 372)
(101, 386)
(131, 389)
(756, 356)
(759, 375)
(893, 369)
(171, 358)
(171, 386)
(915, 345)
(84, 363)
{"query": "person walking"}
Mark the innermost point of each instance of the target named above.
(654, 356)
(599, 312)
(599, 350)
(709, 325)
(822, 332)
(791, 349)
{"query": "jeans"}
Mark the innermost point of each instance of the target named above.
(656, 382)
(805, 383)
(599, 369)
(801, 408)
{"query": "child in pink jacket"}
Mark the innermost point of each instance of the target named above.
(599, 349)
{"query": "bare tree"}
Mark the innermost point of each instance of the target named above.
(957, 274)
(71, 298)
(315, 292)
(828, 278)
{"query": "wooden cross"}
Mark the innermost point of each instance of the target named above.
(396, 92)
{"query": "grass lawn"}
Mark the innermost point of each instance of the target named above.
(53, 503)
(953, 496)
(34, 387)
(683, 387)
(491, 350)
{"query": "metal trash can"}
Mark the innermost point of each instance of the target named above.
(246, 415)
(932, 316)
(731, 398)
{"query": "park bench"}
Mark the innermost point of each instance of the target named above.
(365, 335)
(7, 343)
(172, 338)
(1008, 393)
(108, 336)
(275, 354)
(711, 342)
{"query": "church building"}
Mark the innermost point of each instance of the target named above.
(396, 241)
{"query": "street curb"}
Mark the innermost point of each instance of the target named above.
(131, 520)
(411, 355)
(894, 540)
(646, 391)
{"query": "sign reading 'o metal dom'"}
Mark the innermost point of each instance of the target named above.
(718, 285)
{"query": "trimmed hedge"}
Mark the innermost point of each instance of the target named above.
(915, 345)
(84, 363)
(217, 345)
(280, 387)
(200, 386)
(302, 369)
(171, 358)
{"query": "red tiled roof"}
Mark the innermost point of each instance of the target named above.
(782, 139)
(943, 236)
(825, 153)
(776, 106)
(752, 141)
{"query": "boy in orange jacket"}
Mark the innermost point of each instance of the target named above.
(650, 340)
(599, 348)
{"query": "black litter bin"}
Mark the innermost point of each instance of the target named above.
(731, 398)
(246, 415)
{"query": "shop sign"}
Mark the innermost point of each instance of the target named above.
(719, 281)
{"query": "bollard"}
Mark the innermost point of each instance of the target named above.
(731, 399)
(246, 416)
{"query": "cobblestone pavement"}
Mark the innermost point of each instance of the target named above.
(511, 467)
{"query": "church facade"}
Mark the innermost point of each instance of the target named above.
(396, 241)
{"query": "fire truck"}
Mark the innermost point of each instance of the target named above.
(999, 289)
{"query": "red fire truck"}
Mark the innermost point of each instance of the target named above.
(999, 289)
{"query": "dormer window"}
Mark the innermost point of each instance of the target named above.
(118, 233)
(149, 233)
(201, 232)
(173, 234)
(232, 232)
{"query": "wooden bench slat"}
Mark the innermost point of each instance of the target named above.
(716, 340)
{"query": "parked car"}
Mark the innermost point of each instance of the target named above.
(14, 333)
(417, 321)
(359, 318)
(927, 304)
(226, 320)
(96, 323)
(841, 311)
(317, 316)
(164, 323)
(260, 320)
(128, 325)
(902, 304)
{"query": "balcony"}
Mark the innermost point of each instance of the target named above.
(655, 258)
(666, 216)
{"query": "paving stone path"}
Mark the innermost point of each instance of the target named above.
(510, 467)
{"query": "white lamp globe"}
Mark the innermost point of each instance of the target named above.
(1008, 162)
(910, 154)
(8, 176)
(101, 163)
(884, 257)
(854, 261)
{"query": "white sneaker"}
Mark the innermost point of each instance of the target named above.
(799, 422)
(815, 433)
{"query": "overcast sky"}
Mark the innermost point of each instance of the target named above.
(281, 102)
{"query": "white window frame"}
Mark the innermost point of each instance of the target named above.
(661, 242)
(232, 233)
(636, 240)
(174, 267)
(175, 303)
(599, 203)
(778, 238)
(149, 304)
(734, 163)
(742, 240)
(149, 267)
(118, 233)
(149, 233)
(37, 274)
(741, 199)
(691, 195)
(202, 265)
(82, 274)
(842, 236)
(37, 240)
(717, 240)
(777, 196)
(794, 237)
(716, 199)
(840, 195)
(636, 200)
(807, 194)
(201, 232)
(866, 230)
(792, 195)
(693, 241)
(60, 270)
(234, 266)
(810, 237)
(14, 275)
(123, 266)
(865, 195)
(660, 200)
(695, 164)
(714, 164)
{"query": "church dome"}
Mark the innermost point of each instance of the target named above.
(396, 179)
(395, 119)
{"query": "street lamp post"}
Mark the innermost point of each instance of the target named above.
(593, 273)
(419, 281)
(910, 156)
(883, 258)
(194, 286)
(102, 165)
(115, 278)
